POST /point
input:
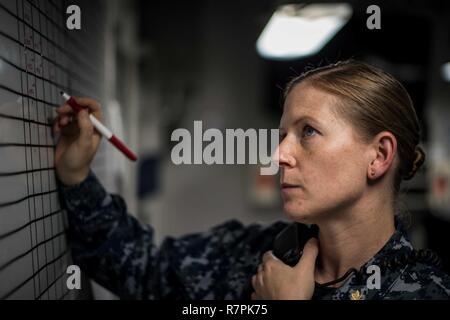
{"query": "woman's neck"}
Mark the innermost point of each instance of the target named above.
(352, 238)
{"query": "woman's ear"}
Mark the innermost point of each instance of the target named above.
(385, 149)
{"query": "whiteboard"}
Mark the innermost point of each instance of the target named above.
(38, 58)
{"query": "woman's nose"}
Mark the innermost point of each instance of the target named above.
(283, 155)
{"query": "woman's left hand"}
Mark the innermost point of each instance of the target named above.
(278, 281)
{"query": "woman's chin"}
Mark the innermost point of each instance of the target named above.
(295, 213)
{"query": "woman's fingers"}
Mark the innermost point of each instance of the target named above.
(61, 122)
(56, 127)
(64, 109)
(86, 128)
(257, 280)
(91, 105)
(254, 284)
(309, 256)
(70, 129)
(276, 280)
(260, 279)
(269, 256)
(69, 123)
(65, 120)
(256, 296)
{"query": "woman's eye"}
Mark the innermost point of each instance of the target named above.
(309, 131)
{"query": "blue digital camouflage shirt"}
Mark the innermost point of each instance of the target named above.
(118, 252)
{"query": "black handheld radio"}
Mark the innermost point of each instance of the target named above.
(289, 243)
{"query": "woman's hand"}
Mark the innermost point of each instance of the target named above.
(278, 281)
(78, 141)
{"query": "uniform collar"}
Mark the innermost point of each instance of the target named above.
(397, 245)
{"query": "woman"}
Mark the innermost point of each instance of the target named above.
(349, 136)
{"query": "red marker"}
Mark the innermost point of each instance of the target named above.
(101, 128)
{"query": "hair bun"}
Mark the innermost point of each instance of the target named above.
(419, 159)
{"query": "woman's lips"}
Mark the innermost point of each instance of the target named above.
(288, 187)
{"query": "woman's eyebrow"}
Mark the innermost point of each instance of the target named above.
(302, 119)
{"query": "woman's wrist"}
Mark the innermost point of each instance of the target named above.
(70, 179)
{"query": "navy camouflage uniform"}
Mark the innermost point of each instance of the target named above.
(118, 252)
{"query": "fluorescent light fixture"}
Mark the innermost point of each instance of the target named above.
(445, 69)
(296, 31)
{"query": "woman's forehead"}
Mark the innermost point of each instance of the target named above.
(308, 103)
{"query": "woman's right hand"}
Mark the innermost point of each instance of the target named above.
(278, 281)
(78, 141)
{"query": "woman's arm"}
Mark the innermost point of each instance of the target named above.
(118, 252)
(111, 246)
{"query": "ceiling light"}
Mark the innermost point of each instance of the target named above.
(296, 31)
